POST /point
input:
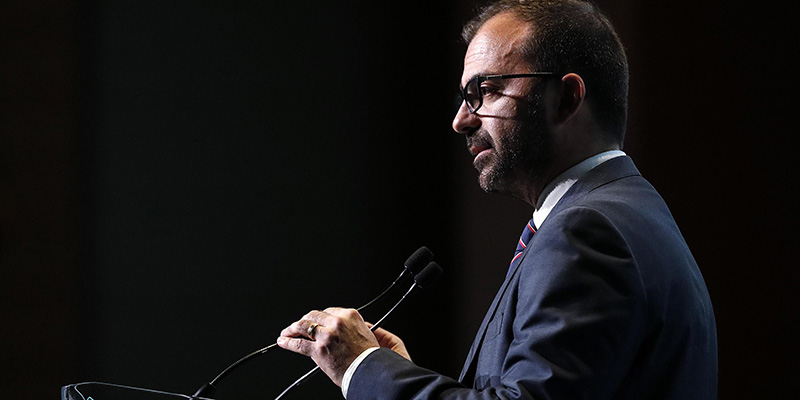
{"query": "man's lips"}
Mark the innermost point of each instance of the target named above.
(480, 151)
(477, 149)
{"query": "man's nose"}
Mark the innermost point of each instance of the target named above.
(464, 121)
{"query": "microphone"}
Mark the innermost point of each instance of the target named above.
(429, 275)
(413, 265)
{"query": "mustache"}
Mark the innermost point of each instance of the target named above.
(479, 138)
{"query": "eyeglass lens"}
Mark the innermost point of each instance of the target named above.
(472, 94)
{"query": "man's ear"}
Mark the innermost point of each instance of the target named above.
(573, 93)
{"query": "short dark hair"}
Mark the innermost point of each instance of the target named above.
(573, 36)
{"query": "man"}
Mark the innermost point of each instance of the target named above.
(604, 300)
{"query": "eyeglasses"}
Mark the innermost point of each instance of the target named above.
(473, 93)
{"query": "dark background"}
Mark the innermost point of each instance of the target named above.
(182, 179)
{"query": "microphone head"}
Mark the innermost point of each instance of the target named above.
(418, 260)
(429, 275)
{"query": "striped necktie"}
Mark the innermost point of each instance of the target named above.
(524, 239)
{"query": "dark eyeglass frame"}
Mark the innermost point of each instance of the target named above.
(475, 83)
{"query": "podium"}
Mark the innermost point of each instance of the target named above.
(110, 391)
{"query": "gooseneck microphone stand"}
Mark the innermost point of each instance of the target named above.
(414, 265)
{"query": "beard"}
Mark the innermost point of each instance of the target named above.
(521, 155)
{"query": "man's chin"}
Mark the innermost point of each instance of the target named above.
(487, 188)
(499, 181)
(490, 182)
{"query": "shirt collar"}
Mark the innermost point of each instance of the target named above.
(555, 190)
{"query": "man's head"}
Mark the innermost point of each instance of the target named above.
(533, 127)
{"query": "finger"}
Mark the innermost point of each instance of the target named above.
(322, 317)
(302, 328)
(293, 330)
(379, 332)
(296, 345)
(385, 338)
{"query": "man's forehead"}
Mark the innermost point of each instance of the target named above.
(495, 47)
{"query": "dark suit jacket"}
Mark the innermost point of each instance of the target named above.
(606, 302)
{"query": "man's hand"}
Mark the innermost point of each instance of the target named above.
(338, 338)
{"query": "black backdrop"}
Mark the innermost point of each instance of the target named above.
(183, 179)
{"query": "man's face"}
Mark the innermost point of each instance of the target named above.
(508, 134)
